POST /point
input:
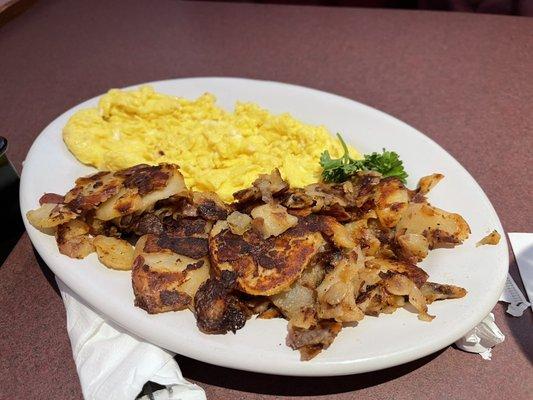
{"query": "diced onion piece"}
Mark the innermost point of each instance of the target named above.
(239, 223)
(275, 219)
(426, 183)
(492, 238)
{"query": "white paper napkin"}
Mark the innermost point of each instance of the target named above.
(522, 244)
(112, 364)
(482, 338)
(513, 295)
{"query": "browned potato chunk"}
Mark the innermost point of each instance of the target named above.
(341, 236)
(50, 215)
(73, 239)
(414, 273)
(77, 247)
(264, 187)
(275, 219)
(210, 206)
(73, 228)
(312, 341)
(413, 246)
(337, 292)
(164, 280)
(436, 291)
(400, 285)
(114, 253)
(297, 304)
(125, 202)
(268, 267)
(218, 310)
(141, 187)
(440, 228)
(239, 223)
(426, 183)
(391, 201)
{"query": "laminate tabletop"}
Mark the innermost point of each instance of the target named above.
(464, 80)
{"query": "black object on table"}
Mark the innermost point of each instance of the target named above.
(11, 226)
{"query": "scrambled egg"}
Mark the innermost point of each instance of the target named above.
(217, 150)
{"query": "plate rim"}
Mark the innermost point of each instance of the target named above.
(304, 369)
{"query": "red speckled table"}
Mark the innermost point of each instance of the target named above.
(465, 80)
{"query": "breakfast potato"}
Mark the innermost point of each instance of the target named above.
(321, 253)
(310, 342)
(264, 267)
(400, 285)
(298, 305)
(164, 280)
(391, 201)
(273, 219)
(92, 190)
(239, 223)
(413, 246)
(264, 188)
(50, 215)
(436, 291)
(338, 291)
(217, 308)
(341, 236)
(114, 253)
(426, 183)
(125, 202)
(210, 206)
(439, 227)
(73, 239)
(140, 187)
(389, 266)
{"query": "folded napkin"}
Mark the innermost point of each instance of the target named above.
(112, 364)
(482, 338)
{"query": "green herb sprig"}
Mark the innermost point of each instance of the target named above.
(387, 163)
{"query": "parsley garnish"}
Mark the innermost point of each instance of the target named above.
(387, 163)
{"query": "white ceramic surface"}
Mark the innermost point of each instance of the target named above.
(375, 343)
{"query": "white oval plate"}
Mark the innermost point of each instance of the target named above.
(375, 343)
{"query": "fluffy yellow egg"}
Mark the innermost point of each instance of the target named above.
(217, 150)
